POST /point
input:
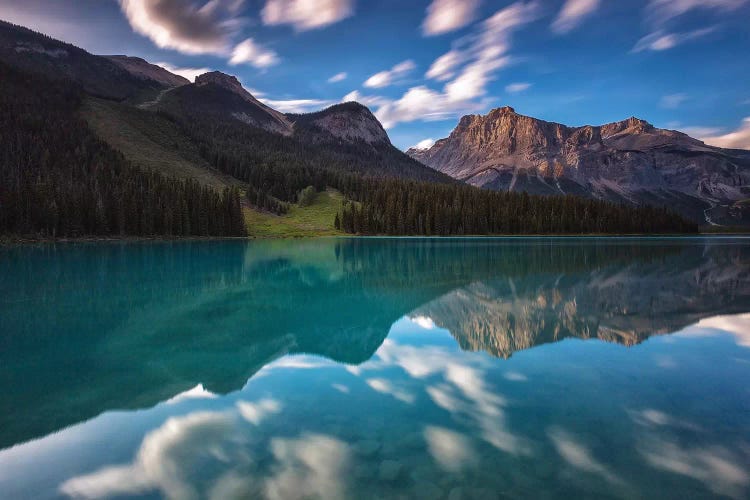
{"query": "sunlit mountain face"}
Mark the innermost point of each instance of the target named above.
(342, 368)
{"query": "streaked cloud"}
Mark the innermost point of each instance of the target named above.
(577, 455)
(700, 131)
(452, 450)
(390, 76)
(467, 68)
(197, 28)
(249, 52)
(444, 16)
(673, 101)
(661, 11)
(297, 105)
(425, 144)
(515, 88)
(186, 26)
(189, 73)
(306, 15)
(338, 77)
(661, 40)
(738, 139)
(573, 13)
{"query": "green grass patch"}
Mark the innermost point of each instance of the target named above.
(316, 219)
(151, 141)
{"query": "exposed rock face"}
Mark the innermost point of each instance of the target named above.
(144, 70)
(349, 122)
(623, 305)
(628, 161)
(252, 111)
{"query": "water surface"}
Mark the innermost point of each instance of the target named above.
(376, 368)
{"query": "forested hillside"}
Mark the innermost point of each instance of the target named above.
(412, 208)
(58, 180)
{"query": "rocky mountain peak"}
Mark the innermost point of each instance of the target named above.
(349, 121)
(223, 80)
(625, 161)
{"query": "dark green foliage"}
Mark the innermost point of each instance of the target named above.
(306, 196)
(42, 55)
(412, 208)
(58, 180)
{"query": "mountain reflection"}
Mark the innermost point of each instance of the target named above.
(130, 325)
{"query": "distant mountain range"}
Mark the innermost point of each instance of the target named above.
(629, 161)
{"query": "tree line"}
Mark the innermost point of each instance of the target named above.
(279, 168)
(413, 208)
(58, 180)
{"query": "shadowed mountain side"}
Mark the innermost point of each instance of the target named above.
(147, 321)
(620, 304)
(39, 54)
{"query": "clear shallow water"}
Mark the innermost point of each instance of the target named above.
(549, 368)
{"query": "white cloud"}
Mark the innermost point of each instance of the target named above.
(191, 27)
(471, 65)
(738, 139)
(673, 101)
(515, 88)
(443, 67)
(573, 13)
(251, 53)
(424, 321)
(255, 413)
(306, 14)
(700, 131)
(661, 11)
(196, 27)
(422, 103)
(159, 462)
(578, 456)
(367, 100)
(338, 77)
(715, 466)
(737, 325)
(297, 105)
(452, 450)
(311, 466)
(383, 386)
(424, 144)
(390, 76)
(661, 40)
(189, 73)
(449, 15)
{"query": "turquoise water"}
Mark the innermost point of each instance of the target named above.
(376, 368)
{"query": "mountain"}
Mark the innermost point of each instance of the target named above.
(39, 54)
(629, 161)
(140, 68)
(346, 122)
(344, 137)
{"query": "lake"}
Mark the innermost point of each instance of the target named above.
(376, 368)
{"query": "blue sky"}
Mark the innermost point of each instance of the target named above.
(421, 64)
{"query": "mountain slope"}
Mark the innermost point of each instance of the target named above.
(39, 54)
(140, 68)
(628, 161)
(346, 122)
(218, 111)
(223, 97)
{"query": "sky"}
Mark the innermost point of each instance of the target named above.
(420, 65)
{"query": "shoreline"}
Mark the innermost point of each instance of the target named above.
(19, 241)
